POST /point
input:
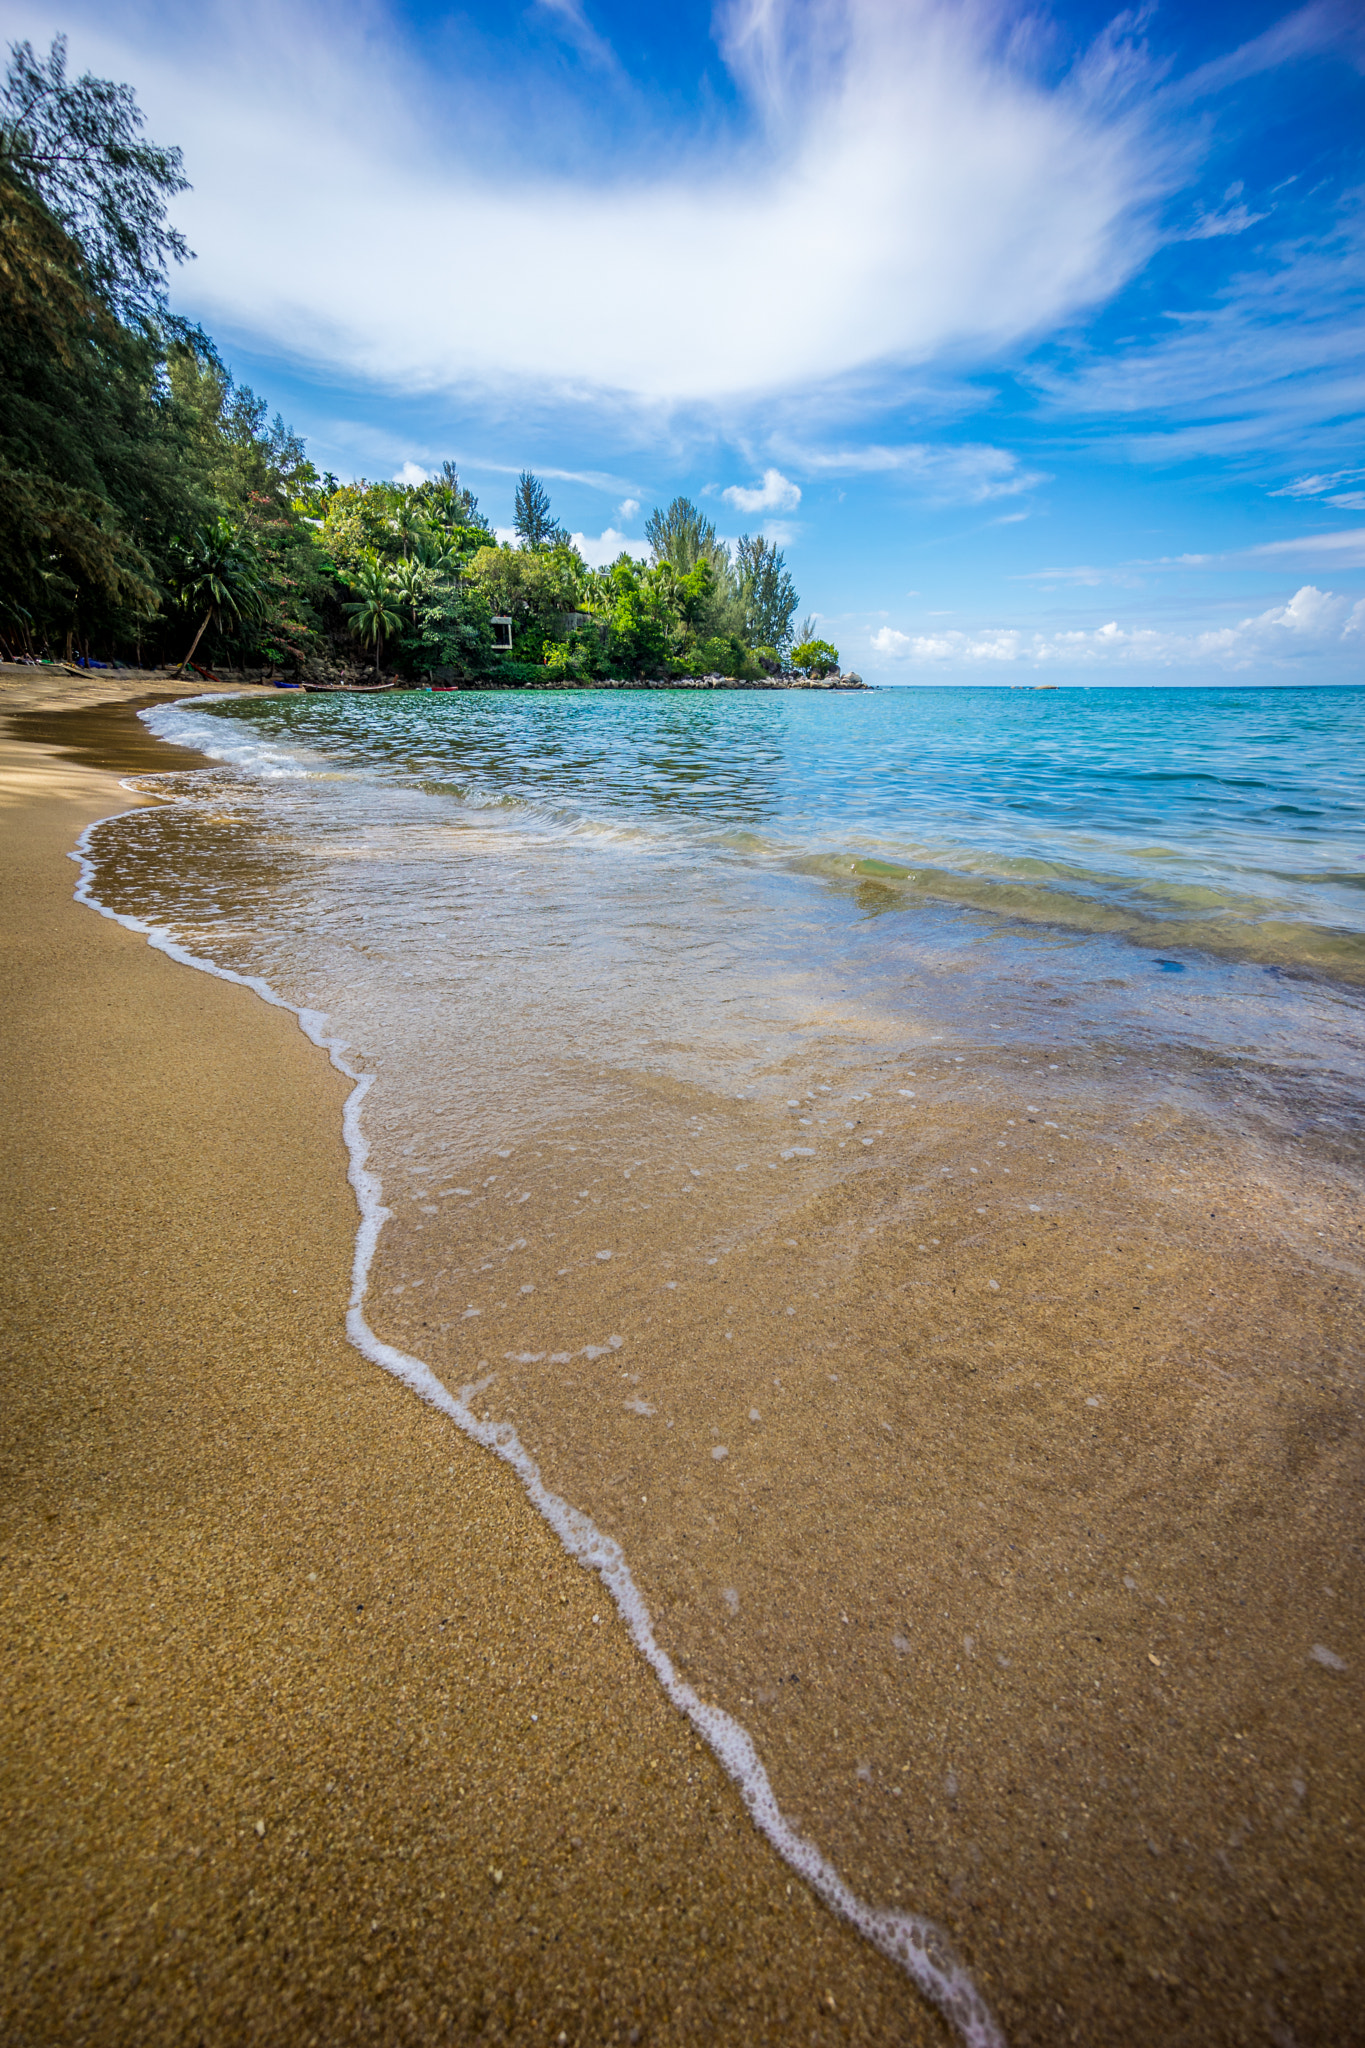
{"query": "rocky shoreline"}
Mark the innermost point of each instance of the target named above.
(343, 682)
(851, 681)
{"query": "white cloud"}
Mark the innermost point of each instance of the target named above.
(1234, 219)
(411, 473)
(1082, 573)
(1320, 25)
(1341, 549)
(962, 473)
(628, 508)
(1315, 486)
(598, 551)
(1328, 488)
(1275, 362)
(776, 493)
(601, 552)
(948, 197)
(573, 24)
(1345, 550)
(1314, 623)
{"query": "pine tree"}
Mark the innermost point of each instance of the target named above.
(535, 524)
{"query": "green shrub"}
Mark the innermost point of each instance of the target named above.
(816, 657)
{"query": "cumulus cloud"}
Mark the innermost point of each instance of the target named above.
(1314, 623)
(410, 473)
(776, 493)
(628, 508)
(600, 551)
(948, 195)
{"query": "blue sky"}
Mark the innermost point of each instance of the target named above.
(1035, 336)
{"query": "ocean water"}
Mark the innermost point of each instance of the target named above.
(790, 1118)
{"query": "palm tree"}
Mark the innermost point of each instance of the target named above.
(374, 615)
(409, 517)
(410, 582)
(433, 550)
(597, 594)
(219, 569)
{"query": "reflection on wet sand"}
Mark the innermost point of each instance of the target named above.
(999, 1482)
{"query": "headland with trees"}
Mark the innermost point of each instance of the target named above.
(152, 514)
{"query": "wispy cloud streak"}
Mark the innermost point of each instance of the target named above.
(943, 196)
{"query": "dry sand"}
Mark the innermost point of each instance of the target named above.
(275, 1634)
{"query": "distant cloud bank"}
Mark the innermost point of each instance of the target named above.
(1313, 622)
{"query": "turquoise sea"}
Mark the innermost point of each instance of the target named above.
(1223, 819)
(1176, 874)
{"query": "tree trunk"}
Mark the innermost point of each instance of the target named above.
(195, 642)
(377, 644)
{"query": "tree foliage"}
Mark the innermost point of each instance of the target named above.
(683, 537)
(219, 569)
(149, 502)
(532, 518)
(816, 657)
(767, 593)
(374, 612)
(77, 146)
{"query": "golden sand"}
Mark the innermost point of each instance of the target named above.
(1049, 1425)
(1004, 1483)
(275, 1634)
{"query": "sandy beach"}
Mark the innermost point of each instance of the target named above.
(320, 1735)
(275, 1634)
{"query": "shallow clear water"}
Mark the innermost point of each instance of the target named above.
(688, 883)
(817, 1124)
(1226, 818)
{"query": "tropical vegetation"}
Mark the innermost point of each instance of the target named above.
(151, 511)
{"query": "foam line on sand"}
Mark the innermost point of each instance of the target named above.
(915, 1944)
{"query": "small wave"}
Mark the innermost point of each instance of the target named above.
(917, 1945)
(1147, 914)
(1050, 852)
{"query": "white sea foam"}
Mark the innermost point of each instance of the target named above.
(917, 1945)
(222, 740)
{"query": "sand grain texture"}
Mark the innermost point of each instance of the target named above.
(313, 1732)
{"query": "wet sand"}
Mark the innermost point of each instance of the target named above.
(1001, 1477)
(1032, 1561)
(313, 1735)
